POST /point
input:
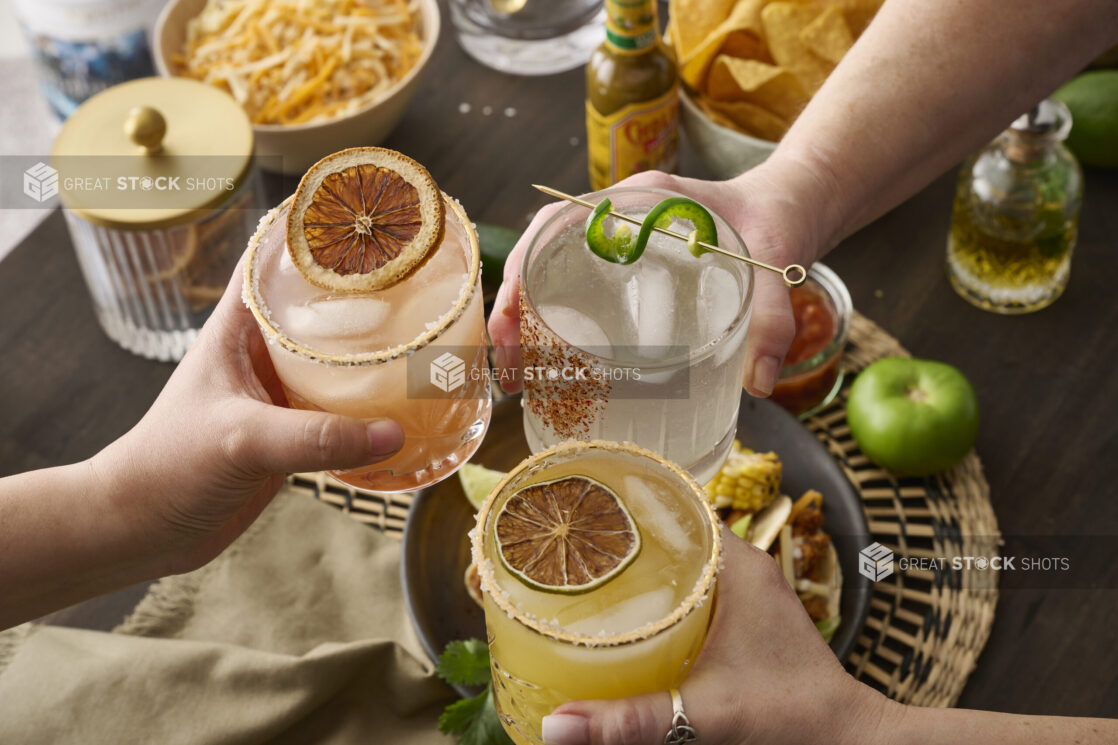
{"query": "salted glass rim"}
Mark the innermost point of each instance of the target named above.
(692, 356)
(253, 298)
(699, 594)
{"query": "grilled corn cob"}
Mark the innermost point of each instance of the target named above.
(748, 481)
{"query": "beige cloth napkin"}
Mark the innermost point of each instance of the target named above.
(296, 634)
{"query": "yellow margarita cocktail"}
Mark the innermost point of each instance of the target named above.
(597, 563)
(355, 334)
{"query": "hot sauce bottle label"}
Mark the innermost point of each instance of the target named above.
(630, 25)
(639, 137)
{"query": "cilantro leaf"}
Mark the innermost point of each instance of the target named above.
(486, 728)
(474, 721)
(457, 718)
(464, 663)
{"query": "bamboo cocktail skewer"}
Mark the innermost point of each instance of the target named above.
(794, 275)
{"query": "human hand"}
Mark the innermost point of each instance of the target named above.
(781, 211)
(215, 447)
(765, 675)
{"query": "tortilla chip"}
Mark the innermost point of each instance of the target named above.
(744, 23)
(694, 20)
(768, 86)
(858, 13)
(828, 35)
(732, 79)
(745, 45)
(746, 117)
(782, 24)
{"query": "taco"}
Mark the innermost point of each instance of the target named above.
(793, 534)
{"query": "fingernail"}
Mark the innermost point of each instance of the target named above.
(385, 437)
(765, 371)
(565, 729)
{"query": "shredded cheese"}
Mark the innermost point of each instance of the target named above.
(292, 61)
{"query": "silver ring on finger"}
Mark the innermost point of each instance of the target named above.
(681, 730)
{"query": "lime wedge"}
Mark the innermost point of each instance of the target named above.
(740, 528)
(477, 482)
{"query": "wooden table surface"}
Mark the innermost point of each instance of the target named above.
(1046, 382)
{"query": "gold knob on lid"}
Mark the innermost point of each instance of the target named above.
(165, 124)
(145, 126)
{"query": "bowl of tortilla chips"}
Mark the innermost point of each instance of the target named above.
(749, 67)
(722, 148)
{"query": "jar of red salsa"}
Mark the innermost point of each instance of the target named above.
(812, 374)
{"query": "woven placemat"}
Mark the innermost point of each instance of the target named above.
(925, 629)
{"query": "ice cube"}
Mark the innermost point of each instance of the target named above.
(336, 317)
(672, 250)
(443, 294)
(298, 321)
(425, 306)
(717, 302)
(717, 305)
(576, 328)
(286, 265)
(361, 390)
(657, 518)
(630, 297)
(629, 614)
(656, 307)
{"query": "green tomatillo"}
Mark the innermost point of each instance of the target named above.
(913, 417)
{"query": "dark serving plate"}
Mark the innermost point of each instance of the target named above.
(436, 549)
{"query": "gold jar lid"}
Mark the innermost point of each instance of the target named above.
(152, 153)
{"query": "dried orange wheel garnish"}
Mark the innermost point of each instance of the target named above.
(362, 219)
(569, 535)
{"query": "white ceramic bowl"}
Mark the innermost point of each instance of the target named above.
(300, 145)
(725, 152)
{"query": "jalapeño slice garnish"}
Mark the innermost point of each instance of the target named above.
(622, 248)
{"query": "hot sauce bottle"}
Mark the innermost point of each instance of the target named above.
(632, 97)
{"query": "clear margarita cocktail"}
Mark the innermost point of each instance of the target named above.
(370, 354)
(636, 618)
(664, 338)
